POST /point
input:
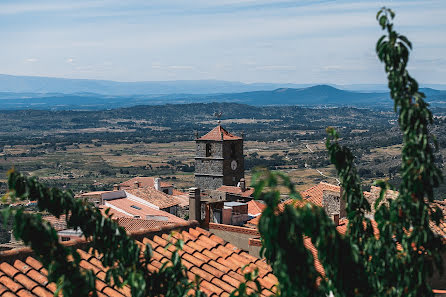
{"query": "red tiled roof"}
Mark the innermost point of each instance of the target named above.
(176, 192)
(314, 194)
(297, 203)
(57, 223)
(253, 222)
(131, 224)
(237, 191)
(182, 197)
(129, 208)
(115, 213)
(217, 263)
(155, 197)
(219, 133)
(145, 181)
(255, 207)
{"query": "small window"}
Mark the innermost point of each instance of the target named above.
(65, 238)
(166, 191)
(208, 150)
(135, 207)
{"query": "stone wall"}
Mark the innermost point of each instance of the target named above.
(208, 182)
(209, 166)
(374, 195)
(333, 204)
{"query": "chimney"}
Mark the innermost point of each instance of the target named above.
(116, 187)
(336, 219)
(137, 184)
(242, 185)
(331, 202)
(158, 184)
(194, 204)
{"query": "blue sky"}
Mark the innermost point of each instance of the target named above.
(249, 41)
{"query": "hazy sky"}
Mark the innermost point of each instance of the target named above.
(250, 41)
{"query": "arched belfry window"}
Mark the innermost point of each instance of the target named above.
(208, 150)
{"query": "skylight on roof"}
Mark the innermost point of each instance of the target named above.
(136, 207)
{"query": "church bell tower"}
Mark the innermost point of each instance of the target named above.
(219, 159)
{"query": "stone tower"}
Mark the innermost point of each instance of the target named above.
(218, 159)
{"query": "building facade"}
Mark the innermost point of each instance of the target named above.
(218, 160)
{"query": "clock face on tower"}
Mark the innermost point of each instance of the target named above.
(234, 165)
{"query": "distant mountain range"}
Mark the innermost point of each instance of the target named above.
(38, 84)
(321, 95)
(55, 93)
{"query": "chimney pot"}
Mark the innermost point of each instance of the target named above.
(158, 184)
(137, 184)
(242, 185)
(336, 219)
(194, 204)
(116, 187)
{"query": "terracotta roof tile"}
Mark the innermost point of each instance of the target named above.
(26, 282)
(131, 224)
(130, 207)
(255, 207)
(155, 197)
(219, 133)
(34, 263)
(3, 289)
(25, 293)
(314, 194)
(217, 262)
(57, 223)
(10, 283)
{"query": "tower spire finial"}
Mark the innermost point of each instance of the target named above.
(218, 116)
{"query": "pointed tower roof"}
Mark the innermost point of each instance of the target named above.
(219, 133)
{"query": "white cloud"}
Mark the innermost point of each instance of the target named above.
(180, 67)
(277, 68)
(31, 60)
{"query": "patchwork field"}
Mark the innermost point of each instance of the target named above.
(86, 151)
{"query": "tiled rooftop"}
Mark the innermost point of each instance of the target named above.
(144, 181)
(57, 223)
(315, 193)
(125, 207)
(131, 224)
(219, 133)
(155, 197)
(255, 207)
(237, 191)
(218, 263)
(182, 197)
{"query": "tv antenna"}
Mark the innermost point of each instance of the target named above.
(218, 116)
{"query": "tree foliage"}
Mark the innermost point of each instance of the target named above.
(397, 262)
(401, 259)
